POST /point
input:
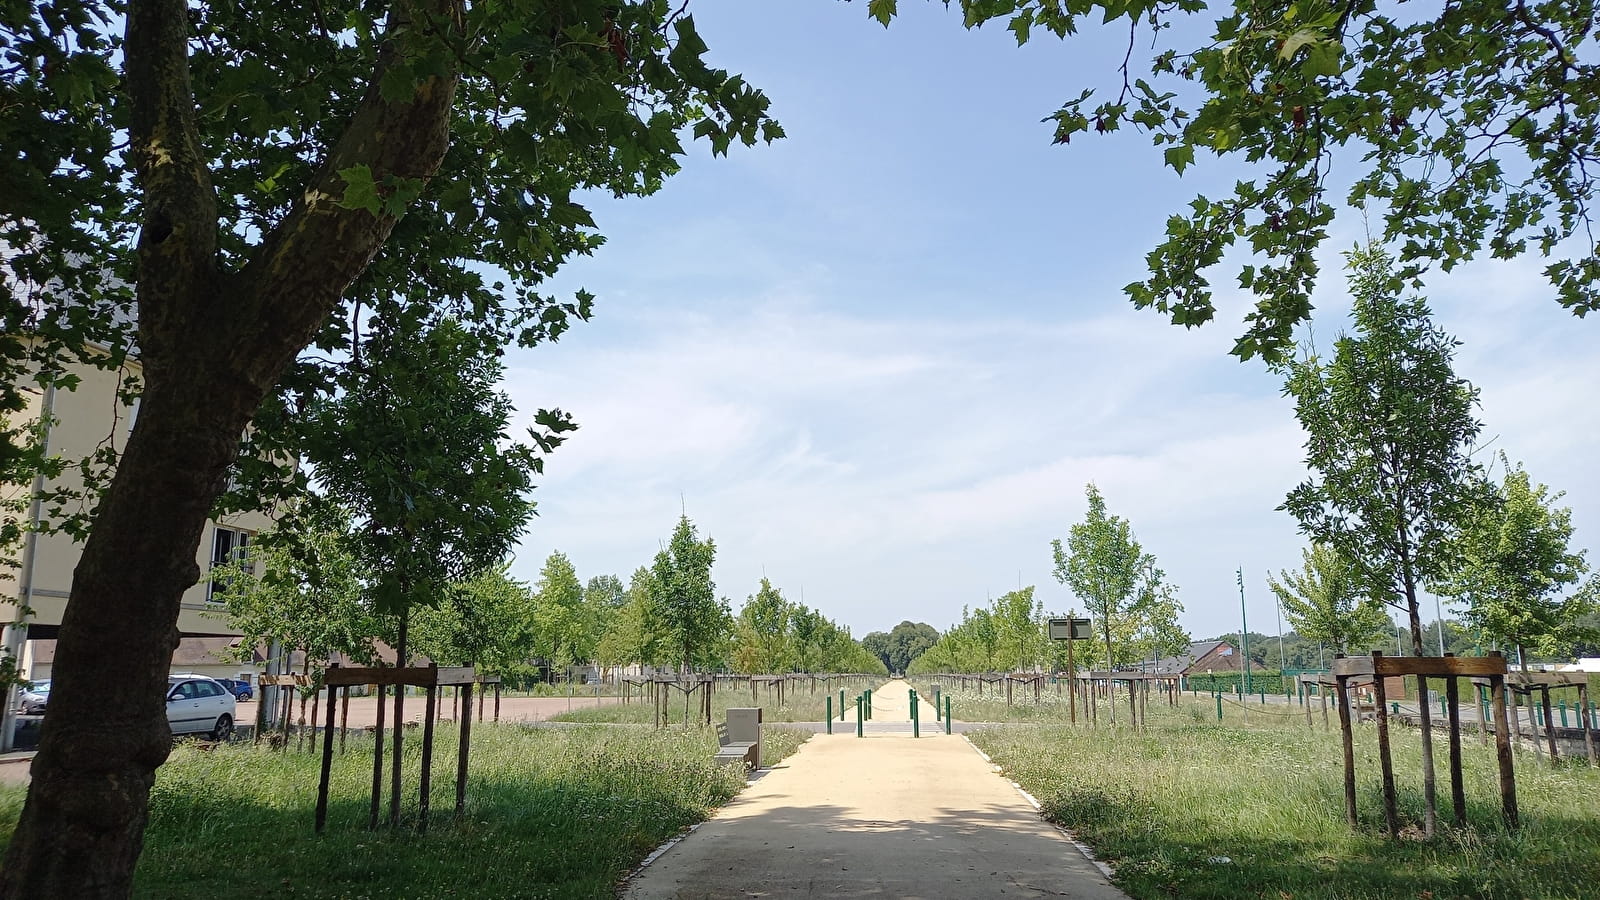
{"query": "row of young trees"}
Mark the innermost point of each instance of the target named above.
(315, 595)
(1133, 609)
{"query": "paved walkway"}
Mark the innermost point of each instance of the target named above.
(880, 816)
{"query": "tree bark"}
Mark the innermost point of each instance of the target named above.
(212, 345)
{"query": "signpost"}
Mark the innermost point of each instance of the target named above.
(1071, 629)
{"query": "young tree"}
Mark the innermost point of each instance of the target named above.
(1326, 603)
(1106, 566)
(685, 600)
(1473, 126)
(486, 622)
(416, 445)
(558, 612)
(1389, 425)
(1513, 562)
(1019, 620)
(301, 586)
(635, 634)
(244, 203)
(763, 643)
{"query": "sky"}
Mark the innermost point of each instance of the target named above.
(879, 360)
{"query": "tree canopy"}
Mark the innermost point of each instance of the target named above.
(1514, 565)
(1467, 129)
(1326, 603)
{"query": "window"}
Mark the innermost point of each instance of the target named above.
(227, 546)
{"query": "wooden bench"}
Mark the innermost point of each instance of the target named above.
(734, 751)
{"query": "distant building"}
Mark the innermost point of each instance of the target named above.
(1201, 657)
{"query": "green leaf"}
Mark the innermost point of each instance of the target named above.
(882, 10)
(359, 190)
(1323, 59)
(1180, 157)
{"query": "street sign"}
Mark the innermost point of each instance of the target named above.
(1069, 629)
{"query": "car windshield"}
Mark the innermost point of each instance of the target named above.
(41, 687)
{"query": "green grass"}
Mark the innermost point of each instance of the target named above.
(551, 813)
(1168, 804)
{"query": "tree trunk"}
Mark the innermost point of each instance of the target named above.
(1430, 787)
(212, 345)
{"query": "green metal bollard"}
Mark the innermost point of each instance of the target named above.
(1263, 696)
(916, 718)
(947, 715)
(841, 706)
(859, 707)
(938, 698)
(868, 694)
(1563, 713)
(1219, 705)
(829, 717)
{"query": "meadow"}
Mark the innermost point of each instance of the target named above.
(551, 813)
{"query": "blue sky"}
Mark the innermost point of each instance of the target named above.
(879, 360)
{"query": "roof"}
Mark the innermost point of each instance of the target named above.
(1179, 665)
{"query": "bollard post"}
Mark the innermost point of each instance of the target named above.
(841, 706)
(1218, 695)
(946, 715)
(938, 698)
(1263, 696)
(1444, 711)
(829, 717)
(1563, 713)
(868, 695)
(916, 718)
(859, 707)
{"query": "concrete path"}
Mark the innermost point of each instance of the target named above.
(880, 816)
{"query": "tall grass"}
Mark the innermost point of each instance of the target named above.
(550, 813)
(1189, 808)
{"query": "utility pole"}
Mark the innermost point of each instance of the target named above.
(1438, 617)
(1244, 632)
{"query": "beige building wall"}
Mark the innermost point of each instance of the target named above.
(88, 418)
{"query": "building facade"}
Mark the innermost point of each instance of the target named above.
(35, 589)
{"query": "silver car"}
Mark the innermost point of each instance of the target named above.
(199, 705)
(32, 699)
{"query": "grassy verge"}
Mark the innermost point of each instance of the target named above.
(559, 813)
(1195, 810)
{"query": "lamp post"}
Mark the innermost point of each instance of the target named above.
(1244, 632)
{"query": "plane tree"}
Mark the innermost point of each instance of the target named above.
(215, 188)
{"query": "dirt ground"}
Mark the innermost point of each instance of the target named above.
(363, 710)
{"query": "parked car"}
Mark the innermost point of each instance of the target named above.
(33, 699)
(241, 690)
(199, 705)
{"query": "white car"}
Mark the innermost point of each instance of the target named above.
(199, 705)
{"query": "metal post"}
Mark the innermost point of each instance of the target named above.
(1244, 633)
(916, 724)
(946, 715)
(841, 705)
(860, 709)
(1219, 706)
(829, 716)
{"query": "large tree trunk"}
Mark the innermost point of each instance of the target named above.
(212, 345)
